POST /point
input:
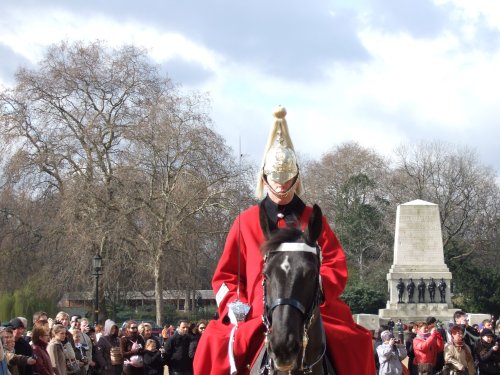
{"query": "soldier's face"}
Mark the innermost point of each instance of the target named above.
(281, 188)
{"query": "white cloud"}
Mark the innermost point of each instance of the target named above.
(30, 33)
(410, 88)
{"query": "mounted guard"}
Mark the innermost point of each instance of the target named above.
(231, 344)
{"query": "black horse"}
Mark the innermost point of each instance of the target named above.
(295, 339)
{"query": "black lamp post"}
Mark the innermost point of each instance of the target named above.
(96, 272)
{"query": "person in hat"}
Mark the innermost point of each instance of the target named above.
(488, 353)
(280, 185)
(22, 345)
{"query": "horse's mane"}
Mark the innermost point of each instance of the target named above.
(280, 236)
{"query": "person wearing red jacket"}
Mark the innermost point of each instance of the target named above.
(226, 348)
(426, 346)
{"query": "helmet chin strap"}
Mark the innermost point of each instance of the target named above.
(284, 194)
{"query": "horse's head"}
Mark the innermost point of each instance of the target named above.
(291, 289)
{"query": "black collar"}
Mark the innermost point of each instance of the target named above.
(290, 212)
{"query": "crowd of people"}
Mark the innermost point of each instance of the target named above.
(432, 348)
(71, 346)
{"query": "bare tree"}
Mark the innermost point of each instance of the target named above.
(126, 157)
(453, 178)
(347, 183)
(181, 168)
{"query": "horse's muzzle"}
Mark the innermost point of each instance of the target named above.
(285, 367)
(285, 354)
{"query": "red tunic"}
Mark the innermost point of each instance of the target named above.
(350, 345)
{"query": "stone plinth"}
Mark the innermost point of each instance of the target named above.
(417, 311)
(477, 318)
(418, 256)
(369, 321)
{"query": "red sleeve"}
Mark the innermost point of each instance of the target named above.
(225, 280)
(423, 345)
(439, 342)
(334, 267)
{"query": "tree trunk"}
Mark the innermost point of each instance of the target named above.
(187, 298)
(158, 288)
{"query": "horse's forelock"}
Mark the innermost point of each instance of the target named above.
(281, 236)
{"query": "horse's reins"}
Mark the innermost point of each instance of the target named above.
(308, 315)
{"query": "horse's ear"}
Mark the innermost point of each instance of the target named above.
(315, 225)
(264, 221)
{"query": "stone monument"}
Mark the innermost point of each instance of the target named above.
(418, 257)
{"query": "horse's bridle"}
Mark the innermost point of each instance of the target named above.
(308, 315)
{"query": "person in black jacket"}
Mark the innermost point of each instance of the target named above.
(108, 354)
(471, 335)
(488, 353)
(153, 359)
(195, 337)
(412, 368)
(177, 351)
(22, 346)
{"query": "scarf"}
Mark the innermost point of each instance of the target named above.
(424, 336)
(458, 343)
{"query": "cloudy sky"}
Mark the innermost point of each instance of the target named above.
(379, 72)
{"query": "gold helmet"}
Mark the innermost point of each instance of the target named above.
(279, 162)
